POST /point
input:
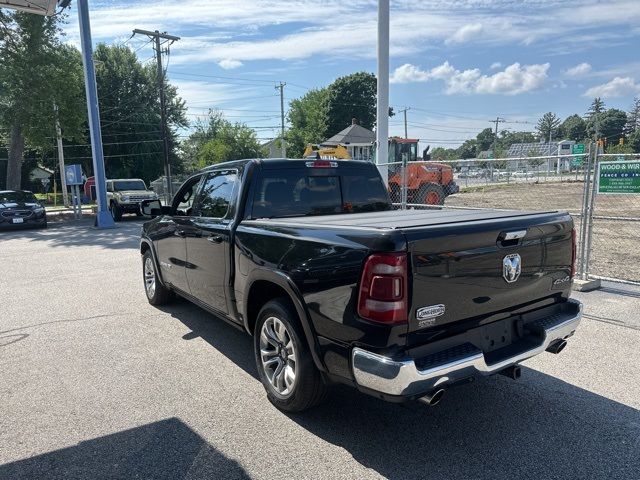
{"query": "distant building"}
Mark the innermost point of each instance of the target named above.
(355, 138)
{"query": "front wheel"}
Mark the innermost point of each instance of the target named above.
(157, 294)
(284, 362)
(431, 194)
(116, 212)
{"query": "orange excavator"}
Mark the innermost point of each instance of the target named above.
(426, 182)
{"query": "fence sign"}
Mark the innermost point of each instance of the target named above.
(619, 177)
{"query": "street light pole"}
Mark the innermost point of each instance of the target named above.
(382, 110)
(103, 216)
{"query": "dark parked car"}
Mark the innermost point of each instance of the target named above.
(335, 286)
(21, 209)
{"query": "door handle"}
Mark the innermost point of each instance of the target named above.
(180, 233)
(215, 238)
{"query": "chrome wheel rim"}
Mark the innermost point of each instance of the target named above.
(149, 277)
(278, 356)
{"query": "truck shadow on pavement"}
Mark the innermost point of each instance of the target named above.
(165, 449)
(81, 233)
(537, 427)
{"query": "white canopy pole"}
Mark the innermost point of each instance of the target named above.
(382, 114)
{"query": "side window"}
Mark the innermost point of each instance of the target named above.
(183, 201)
(109, 186)
(216, 194)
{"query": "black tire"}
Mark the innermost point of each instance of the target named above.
(138, 214)
(308, 389)
(431, 194)
(116, 212)
(159, 294)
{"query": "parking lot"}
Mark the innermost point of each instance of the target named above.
(96, 383)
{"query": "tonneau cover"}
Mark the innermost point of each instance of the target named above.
(399, 219)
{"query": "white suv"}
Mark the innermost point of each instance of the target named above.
(125, 195)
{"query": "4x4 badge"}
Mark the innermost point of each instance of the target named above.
(511, 267)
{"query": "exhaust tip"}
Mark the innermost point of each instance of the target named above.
(557, 346)
(432, 399)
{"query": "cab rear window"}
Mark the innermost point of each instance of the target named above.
(299, 192)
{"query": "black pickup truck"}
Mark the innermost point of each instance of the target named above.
(310, 257)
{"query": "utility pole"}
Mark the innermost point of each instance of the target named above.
(497, 121)
(493, 147)
(63, 178)
(156, 36)
(404, 111)
(283, 145)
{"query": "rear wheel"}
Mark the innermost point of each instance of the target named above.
(431, 194)
(157, 294)
(284, 362)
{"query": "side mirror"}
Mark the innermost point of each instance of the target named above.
(153, 208)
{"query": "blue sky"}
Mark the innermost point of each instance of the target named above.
(456, 63)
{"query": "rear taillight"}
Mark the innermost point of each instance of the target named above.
(383, 288)
(574, 251)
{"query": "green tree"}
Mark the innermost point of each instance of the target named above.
(352, 96)
(548, 126)
(633, 117)
(633, 141)
(574, 128)
(130, 115)
(597, 107)
(441, 153)
(308, 120)
(469, 149)
(219, 140)
(507, 138)
(617, 148)
(485, 139)
(609, 124)
(36, 72)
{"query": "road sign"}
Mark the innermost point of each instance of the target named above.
(619, 177)
(73, 174)
(577, 149)
(577, 161)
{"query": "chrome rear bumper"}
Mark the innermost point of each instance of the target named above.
(408, 377)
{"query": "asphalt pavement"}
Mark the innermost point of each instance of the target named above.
(96, 383)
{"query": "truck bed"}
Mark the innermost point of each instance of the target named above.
(402, 219)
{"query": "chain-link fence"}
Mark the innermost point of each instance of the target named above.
(607, 241)
(613, 219)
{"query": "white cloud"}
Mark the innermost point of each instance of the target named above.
(579, 70)
(229, 64)
(495, 65)
(465, 33)
(513, 80)
(409, 73)
(311, 29)
(618, 87)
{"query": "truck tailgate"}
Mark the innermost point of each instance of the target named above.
(458, 272)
